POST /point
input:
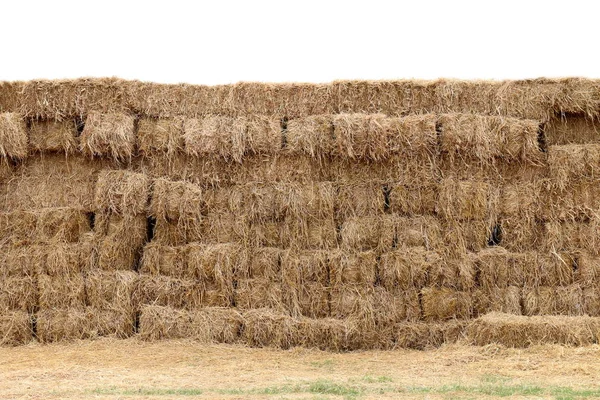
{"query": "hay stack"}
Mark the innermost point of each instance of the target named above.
(441, 304)
(15, 328)
(122, 192)
(428, 335)
(160, 138)
(518, 331)
(216, 136)
(496, 299)
(119, 241)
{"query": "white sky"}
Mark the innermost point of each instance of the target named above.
(217, 41)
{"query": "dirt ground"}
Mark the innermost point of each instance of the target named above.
(132, 369)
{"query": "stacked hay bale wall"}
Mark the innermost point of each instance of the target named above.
(343, 216)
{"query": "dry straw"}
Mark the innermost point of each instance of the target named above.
(13, 137)
(122, 192)
(109, 135)
(53, 136)
(15, 328)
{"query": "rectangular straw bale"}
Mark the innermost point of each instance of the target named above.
(539, 301)
(498, 267)
(520, 331)
(457, 273)
(309, 299)
(215, 265)
(122, 192)
(360, 136)
(374, 306)
(591, 301)
(177, 201)
(569, 300)
(579, 201)
(332, 334)
(58, 259)
(109, 135)
(89, 323)
(110, 290)
(263, 262)
(265, 328)
(269, 234)
(18, 293)
(428, 335)
(223, 228)
(467, 200)
(406, 268)
(160, 137)
(208, 325)
(120, 241)
(20, 261)
(179, 232)
(299, 267)
(43, 226)
(359, 200)
(66, 291)
(571, 236)
(15, 328)
(443, 303)
(167, 291)
(522, 200)
(572, 129)
(573, 161)
(484, 139)
(312, 136)
(216, 137)
(13, 137)
(264, 135)
(53, 136)
(252, 293)
(278, 168)
(521, 235)
(556, 268)
(51, 180)
(586, 269)
(461, 237)
(364, 233)
(495, 299)
(353, 267)
(413, 200)
(309, 234)
(159, 259)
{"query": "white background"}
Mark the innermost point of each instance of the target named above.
(311, 41)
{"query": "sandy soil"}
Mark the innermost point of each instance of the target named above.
(109, 369)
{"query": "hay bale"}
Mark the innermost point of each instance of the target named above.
(577, 128)
(89, 323)
(48, 225)
(482, 140)
(573, 161)
(18, 293)
(461, 237)
(265, 327)
(15, 328)
(553, 300)
(498, 267)
(428, 335)
(359, 200)
(13, 137)
(467, 200)
(159, 259)
(569, 300)
(571, 236)
(120, 241)
(591, 301)
(578, 202)
(51, 181)
(216, 136)
(312, 136)
(110, 290)
(53, 136)
(171, 292)
(311, 234)
(208, 325)
(65, 291)
(453, 272)
(352, 268)
(406, 268)
(264, 262)
(522, 200)
(160, 137)
(59, 259)
(108, 135)
(263, 135)
(443, 303)
(413, 200)
(19, 261)
(587, 269)
(178, 232)
(253, 293)
(519, 331)
(496, 299)
(122, 192)
(215, 265)
(311, 299)
(221, 228)
(374, 306)
(182, 202)
(521, 235)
